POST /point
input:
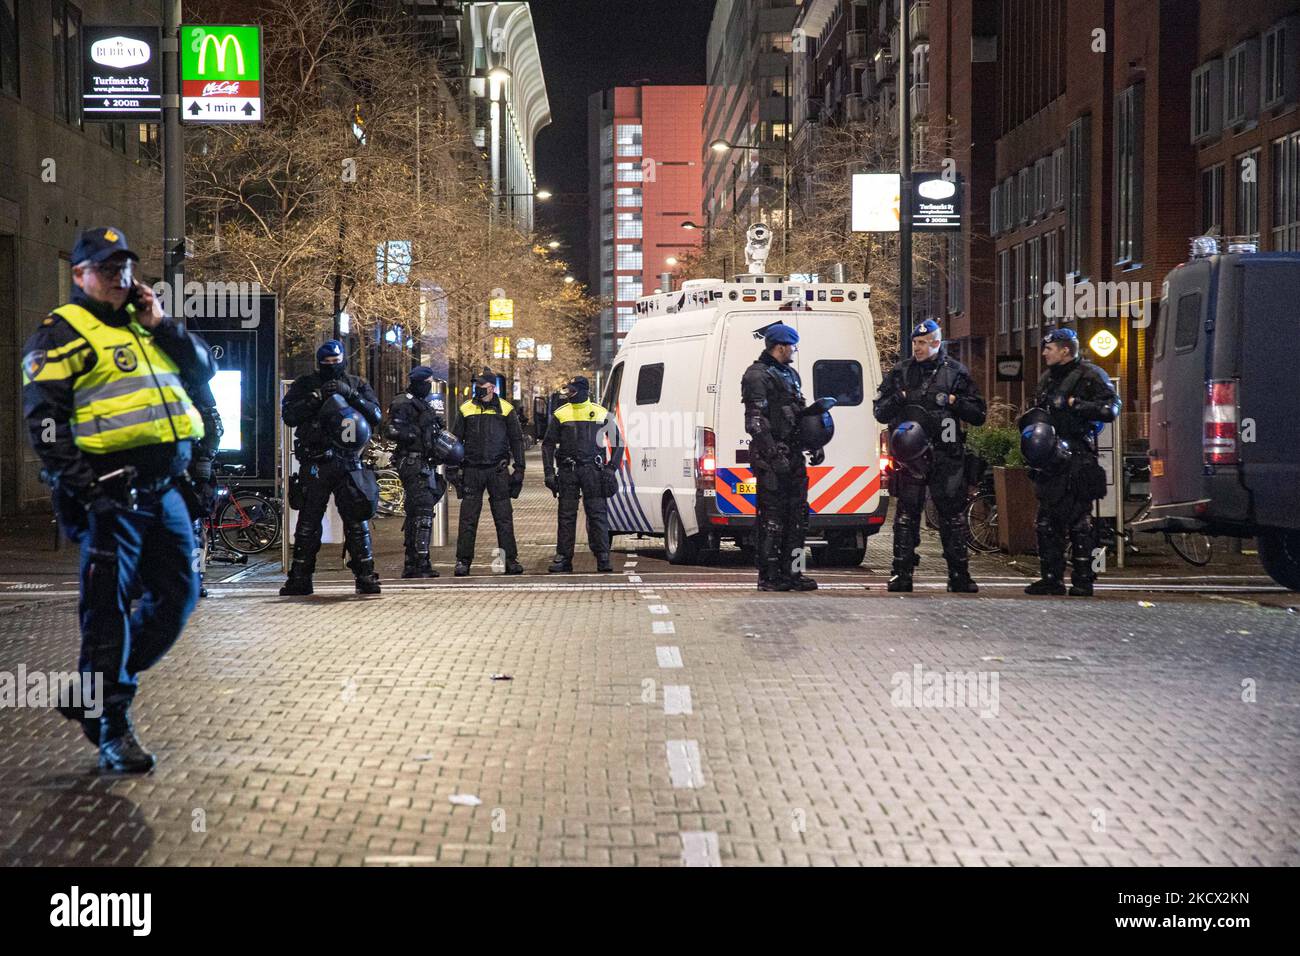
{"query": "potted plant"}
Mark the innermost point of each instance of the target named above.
(998, 443)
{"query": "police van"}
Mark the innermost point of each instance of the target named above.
(674, 388)
(1225, 419)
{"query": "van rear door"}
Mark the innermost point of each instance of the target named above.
(1178, 383)
(1269, 415)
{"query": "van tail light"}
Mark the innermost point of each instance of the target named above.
(1220, 441)
(706, 458)
(886, 462)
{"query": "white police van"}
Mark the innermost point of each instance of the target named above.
(674, 388)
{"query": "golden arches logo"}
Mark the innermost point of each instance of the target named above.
(221, 48)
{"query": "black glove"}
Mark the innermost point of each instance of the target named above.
(817, 457)
(1059, 402)
(780, 459)
(516, 482)
(456, 478)
(338, 387)
(552, 484)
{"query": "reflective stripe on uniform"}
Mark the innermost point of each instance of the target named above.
(586, 412)
(473, 408)
(149, 413)
(127, 385)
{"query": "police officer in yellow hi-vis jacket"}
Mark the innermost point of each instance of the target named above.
(109, 417)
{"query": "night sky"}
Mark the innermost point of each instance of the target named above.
(592, 45)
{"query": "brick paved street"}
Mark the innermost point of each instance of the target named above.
(681, 718)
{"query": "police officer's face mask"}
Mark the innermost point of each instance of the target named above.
(329, 372)
(576, 394)
(483, 392)
(420, 389)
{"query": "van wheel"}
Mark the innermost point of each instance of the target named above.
(1279, 552)
(679, 547)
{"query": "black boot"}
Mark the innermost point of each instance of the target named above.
(770, 579)
(1046, 585)
(513, 566)
(462, 568)
(603, 563)
(900, 578)
(305, 546)
(419, 534)
(1081, 579)
(362, 563)
(959, 579)
(561, 565)
(119, 750)
(801, 582)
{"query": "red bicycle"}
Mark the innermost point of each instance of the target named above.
(242, 522)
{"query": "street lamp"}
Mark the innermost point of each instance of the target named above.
(671, 260)
(722, 146)
(569, 280)
(553, 244)
(501, 74)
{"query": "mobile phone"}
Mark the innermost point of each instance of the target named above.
(133, 297)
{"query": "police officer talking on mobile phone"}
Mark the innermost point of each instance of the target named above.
(109, 416)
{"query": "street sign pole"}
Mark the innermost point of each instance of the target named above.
(905, 185)
(173, 157)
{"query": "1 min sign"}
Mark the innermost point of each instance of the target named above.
(221, 74)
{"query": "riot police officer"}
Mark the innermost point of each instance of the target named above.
(926, 401)
(108, 413)
(202, 483)
(333, 413)
(1058, 437)
(415, 423)
(576, 467)
(489, 429)
(771, 392)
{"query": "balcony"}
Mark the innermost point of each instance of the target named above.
(918, 24)
(884, 66)
(855, 47)
(855, 108)
(919, 100)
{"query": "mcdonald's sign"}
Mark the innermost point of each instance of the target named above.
(221, 74)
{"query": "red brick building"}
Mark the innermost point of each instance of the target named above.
(644, 148)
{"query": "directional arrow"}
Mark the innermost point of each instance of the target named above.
(194, 109)
(248, 109)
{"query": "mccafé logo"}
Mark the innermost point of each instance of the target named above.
(223, 88)
(120, 52)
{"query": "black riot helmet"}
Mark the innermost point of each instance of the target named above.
(448, 449)
(1043, 449)
(908, 443)
(346, 427)
(816, 427)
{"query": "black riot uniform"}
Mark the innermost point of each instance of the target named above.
(939, 395)
(578, 466)
(1078, 397)
(328, 466)
(771, 392)
(203, 484)
(489, 428)
(414, 421)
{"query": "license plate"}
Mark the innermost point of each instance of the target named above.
(746, 488)
(1157, 468)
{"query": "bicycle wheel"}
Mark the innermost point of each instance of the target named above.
(982, 517)
(931, 515)
(392, 496)
(1194, 548)
(248, 523)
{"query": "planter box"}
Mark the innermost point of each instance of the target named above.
(1017, 509)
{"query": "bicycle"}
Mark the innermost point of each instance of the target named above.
(981, 515)
(1195, 548)
(244, 521)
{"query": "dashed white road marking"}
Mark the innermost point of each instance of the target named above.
(677, 699)
(700, 848)
(634, 579)
(663, 627)
(658, 609)
(684, 766)
(669, 656)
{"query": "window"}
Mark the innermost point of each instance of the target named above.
(776, 43)
(1286, 193)
(113, 135)
(1010, 215)
(628, 196)
(1051, 267)
(769, 132)
(1078, 202)
(607, 258)
(994, 224)
(1241, 83)
(838, 378)
(1042, 186)
(649, 383)
(1189, 322)
(66, 24)
(1212, 198)
(611, 389)
(1058, 178)
(150, 150)
(629, 288)
(8, 47)
(956, 273)
(1128, 175)
(627, 139)
(1025, 190)
(1017, 289)
(1207, 101)
(629, 257)
(1004, 291)
(1247, 194)
(1035, 289)
(628, 172)
(626, 316)
(1278, 74)
(629, 225)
